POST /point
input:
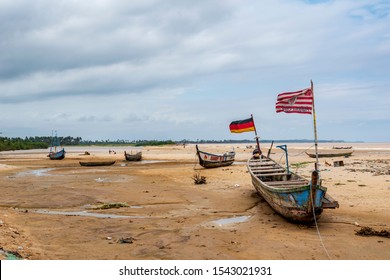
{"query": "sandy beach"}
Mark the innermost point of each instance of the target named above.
(53, 210)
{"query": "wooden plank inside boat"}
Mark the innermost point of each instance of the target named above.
(262, 164)
(272, 174)
(298, 182)
(256, 171)
(265, 167)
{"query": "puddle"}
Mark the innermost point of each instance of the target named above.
(88, 170)
(88, 214)
(89, 206)
(100, 180)
(114, 180)
(228, 221)
(37, 172)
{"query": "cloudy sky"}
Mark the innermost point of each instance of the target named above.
(173, 69)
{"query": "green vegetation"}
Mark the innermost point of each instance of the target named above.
(43, 142)
(37, 142)
(126, 142)
(112, 205)
(11, 144)
(153, 143)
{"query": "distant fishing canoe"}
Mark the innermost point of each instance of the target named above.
(96, 163)
(56, 151)
(336, 153)
(208, 160)
(342, 148)
(289, 194)
(133, 157)
(57, 155)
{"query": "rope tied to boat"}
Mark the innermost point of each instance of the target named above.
(300, 153)
(315, 221)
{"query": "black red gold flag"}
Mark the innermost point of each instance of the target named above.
(242, 126)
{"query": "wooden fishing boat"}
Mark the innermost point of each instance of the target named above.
(292, 196)
(133, 157)
(208, 160)
(289, 194)
(342, 148)
(96, 163)
(56, 151)
(331, 153)
(57, 155)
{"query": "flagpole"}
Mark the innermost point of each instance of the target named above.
(257, 138)
(315, 126)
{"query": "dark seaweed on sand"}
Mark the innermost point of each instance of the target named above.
(368, 231)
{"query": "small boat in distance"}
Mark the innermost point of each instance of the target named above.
(208, 160)
(133, 157)
(349, 147)
(96, 163)
(56, 152)
(331, 153)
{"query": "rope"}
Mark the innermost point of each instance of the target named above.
(314, 214)
(280, 159)
(294, 155)
(318, 230)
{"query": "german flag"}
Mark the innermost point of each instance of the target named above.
(242, 126)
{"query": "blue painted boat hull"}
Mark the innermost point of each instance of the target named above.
(287, 193)
(57, 155)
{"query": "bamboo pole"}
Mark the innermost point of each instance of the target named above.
(257, 138)
(315, 127)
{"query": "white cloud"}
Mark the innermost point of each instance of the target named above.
(177, 65)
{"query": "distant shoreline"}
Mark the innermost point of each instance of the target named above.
(266, 141)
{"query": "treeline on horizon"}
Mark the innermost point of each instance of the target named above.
(44, 142)
(36, 142)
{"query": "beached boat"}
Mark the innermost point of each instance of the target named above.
(133, 157)
(290, 195)
(343, 148)
(57, 155)
(208, 160)
(56, 151)
(96, 163)
(331, 153)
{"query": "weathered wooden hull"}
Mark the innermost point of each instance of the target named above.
(96, 163)
(289, 194)
(133, 157)
(330, 154)
(208, 160)
(57, 155)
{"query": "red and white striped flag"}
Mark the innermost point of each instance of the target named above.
(300, 102)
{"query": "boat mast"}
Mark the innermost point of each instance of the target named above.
(315, 127)
(257, 137)
(51, 144)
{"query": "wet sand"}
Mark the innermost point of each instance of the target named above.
(50, 210)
